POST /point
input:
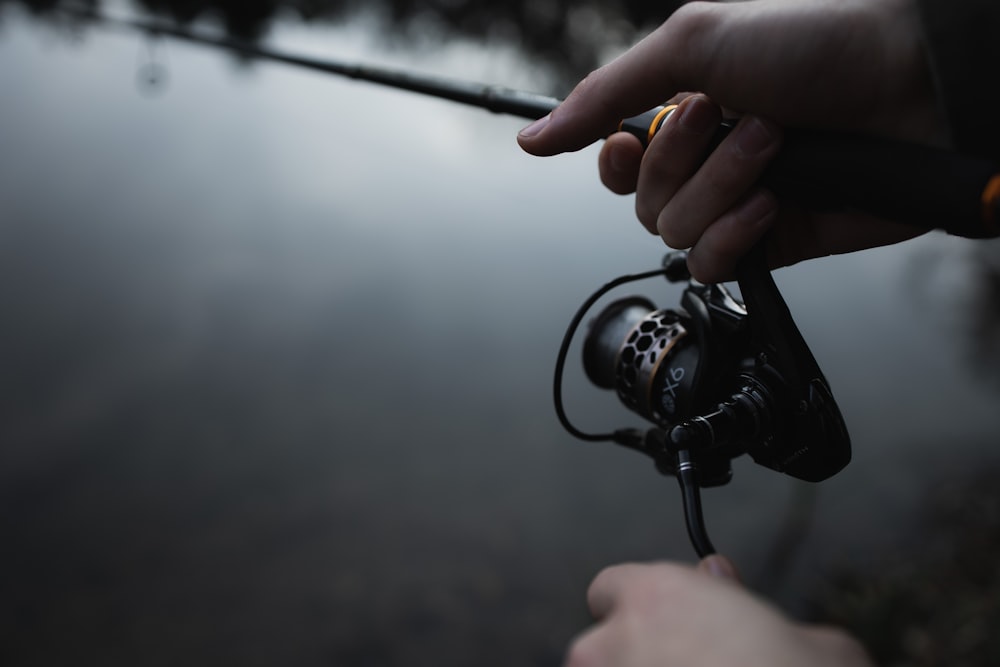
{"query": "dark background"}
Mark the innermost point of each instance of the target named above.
(277, 349)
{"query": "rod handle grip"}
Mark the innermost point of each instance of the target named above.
(923, 186)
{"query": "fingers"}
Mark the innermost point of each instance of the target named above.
(615, 583)
(622, 153)
(712, 206)
(619, 163)
(673, 156)
(656, 68)
(622, 582)
(714, 257)
(720, 184)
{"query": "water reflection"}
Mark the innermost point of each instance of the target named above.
(276, 371)
(984, 314)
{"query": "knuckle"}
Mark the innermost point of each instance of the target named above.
(674, 233)
(838, 643)
(591, 89)
(728, 178)
(709, 269)
(586, 84)
(647, 216)
(702, 268)
(581, 653)
(692, 18)
(690, 28)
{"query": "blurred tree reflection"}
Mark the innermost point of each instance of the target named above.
(984, 315)
(568, 38)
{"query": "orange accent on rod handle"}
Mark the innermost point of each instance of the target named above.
(991, 204)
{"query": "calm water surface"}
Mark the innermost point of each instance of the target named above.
(276, 363)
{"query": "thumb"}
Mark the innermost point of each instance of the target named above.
(720, 567)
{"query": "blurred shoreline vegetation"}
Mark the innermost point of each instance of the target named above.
(935, 600)
(567, 39)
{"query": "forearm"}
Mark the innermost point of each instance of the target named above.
(963, 40)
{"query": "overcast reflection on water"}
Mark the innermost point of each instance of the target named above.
(276, 364)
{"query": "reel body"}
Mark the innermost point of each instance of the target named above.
(716, 378)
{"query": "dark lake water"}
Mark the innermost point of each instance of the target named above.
(276, 358)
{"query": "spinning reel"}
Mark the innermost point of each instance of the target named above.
(717, 379)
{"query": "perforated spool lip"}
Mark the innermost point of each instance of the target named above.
(648, 344)
(603, 375)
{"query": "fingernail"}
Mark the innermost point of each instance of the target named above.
(754, 136)
(535, 127)
(721, 567)
(695, 114)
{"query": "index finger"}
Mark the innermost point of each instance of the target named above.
(666, 62)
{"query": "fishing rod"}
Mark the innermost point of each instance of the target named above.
(717, 378)
(922, 186)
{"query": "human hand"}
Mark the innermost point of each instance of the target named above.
(850, 65)
(667, 614)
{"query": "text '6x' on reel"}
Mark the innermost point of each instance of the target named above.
(717, 378)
